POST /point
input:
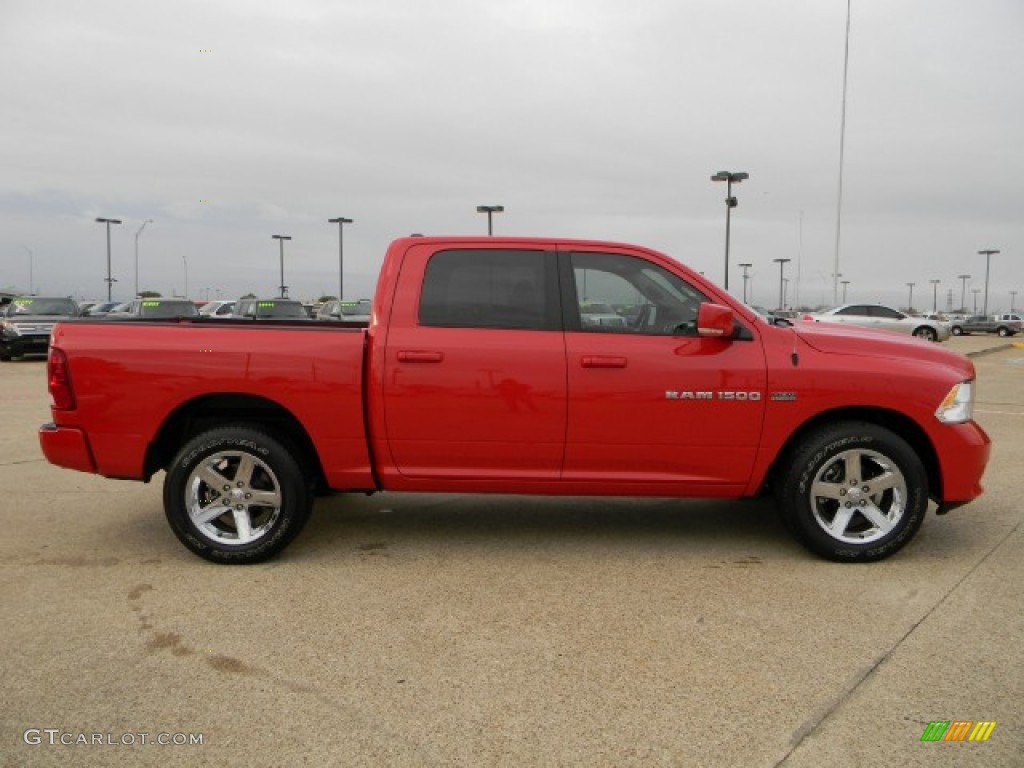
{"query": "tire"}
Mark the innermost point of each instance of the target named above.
(956, 330)
(926, 333)
(1003, 331)
(268, 495)
(853, 519)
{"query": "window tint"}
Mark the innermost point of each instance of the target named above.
(858, 310)
(487, 289)
(626, 294)
(886, 313)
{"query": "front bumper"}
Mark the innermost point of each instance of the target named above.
(24, 345)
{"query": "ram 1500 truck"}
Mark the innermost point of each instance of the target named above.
(478, 373)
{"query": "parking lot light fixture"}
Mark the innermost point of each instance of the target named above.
(341, 221)
(731, 202)
(935, 294)
(782, 285)
(963, 291)
(988, 258)
(490, 210)
(746, 277)
(976, 291)
(281, 239)
(1013, 297)
(910, 299)
(147, 221)
(110, 280)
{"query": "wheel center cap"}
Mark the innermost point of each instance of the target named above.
(237, 494)
(855, 494)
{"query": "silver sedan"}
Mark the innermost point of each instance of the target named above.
(884, 318)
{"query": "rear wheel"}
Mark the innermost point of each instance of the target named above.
(853, 492)
(956, 330)
(236, 495)
(1003, 331)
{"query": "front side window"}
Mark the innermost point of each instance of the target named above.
(625, 294)
(488, 289)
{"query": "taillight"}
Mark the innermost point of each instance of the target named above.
(60, 380)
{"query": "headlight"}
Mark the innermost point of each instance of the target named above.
(9, 329)
(957, 406)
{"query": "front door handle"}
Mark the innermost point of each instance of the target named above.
(420, 356)
(602, 361)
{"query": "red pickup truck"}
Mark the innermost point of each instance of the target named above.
(477, 373)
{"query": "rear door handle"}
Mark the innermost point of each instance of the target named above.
(410, 356)
(602, 361)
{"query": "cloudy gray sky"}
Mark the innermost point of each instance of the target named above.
(226, 122)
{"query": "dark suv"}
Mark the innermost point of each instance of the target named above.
(26, 323)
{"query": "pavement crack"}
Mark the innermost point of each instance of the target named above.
(816, 721)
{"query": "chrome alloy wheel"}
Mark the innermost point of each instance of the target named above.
(858, 496)
(232, 497)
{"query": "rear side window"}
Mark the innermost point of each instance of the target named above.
(489, 289)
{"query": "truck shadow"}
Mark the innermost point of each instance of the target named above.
(417, 524)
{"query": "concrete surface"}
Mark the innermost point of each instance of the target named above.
(422, 630)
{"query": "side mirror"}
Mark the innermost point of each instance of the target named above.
(715, 320)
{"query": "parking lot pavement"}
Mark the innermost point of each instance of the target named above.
(468, 630)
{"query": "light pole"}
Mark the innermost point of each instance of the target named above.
(746, 276)
(782, 266)
(963, 291)
(184, 260)
(845, 283)
(341, 221)
(281, 239)
(976, 292)
(910, 299)
(988, 258)
(31, 280)
(935, 294)
(1013, 296)
(490, 210)
(110, 280)
(731, 202)
(147, 221)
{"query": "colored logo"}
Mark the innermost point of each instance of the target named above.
(958, 730)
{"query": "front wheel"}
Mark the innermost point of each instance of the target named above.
(956, 330)
(853, 492)
(1003, 331)
(236, 495)
(926, 333)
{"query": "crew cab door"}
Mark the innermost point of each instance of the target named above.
(474, 383)
(650, 401)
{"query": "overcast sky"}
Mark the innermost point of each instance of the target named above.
(227, 122)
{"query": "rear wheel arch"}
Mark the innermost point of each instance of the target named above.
(211, 411)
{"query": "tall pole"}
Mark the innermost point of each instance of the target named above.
(489, 210)
(988, 258)
(730, 202)
(184, 259)
(280, 239)
(341, 221)
(746, 276)
(935, 294)
(910, 299)
(110, 280)
(842, 151)
(30, 278)
(1013, 297)
(147, 221)
(975, 291)
(963, 291)
(782, 266)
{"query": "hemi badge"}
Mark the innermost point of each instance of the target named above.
(783, 397)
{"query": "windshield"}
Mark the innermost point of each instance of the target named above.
(31, 305)
(280, 309)
(158, 309)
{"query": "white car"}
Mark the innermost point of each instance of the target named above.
(883, 318)
(218, 308)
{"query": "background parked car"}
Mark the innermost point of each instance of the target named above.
(99, 309)
(156, 308)
(218, 308)
(345, 311)
(27, 321)
(600, 315)
(883, 318)
(1001, 324)
(270, 308)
